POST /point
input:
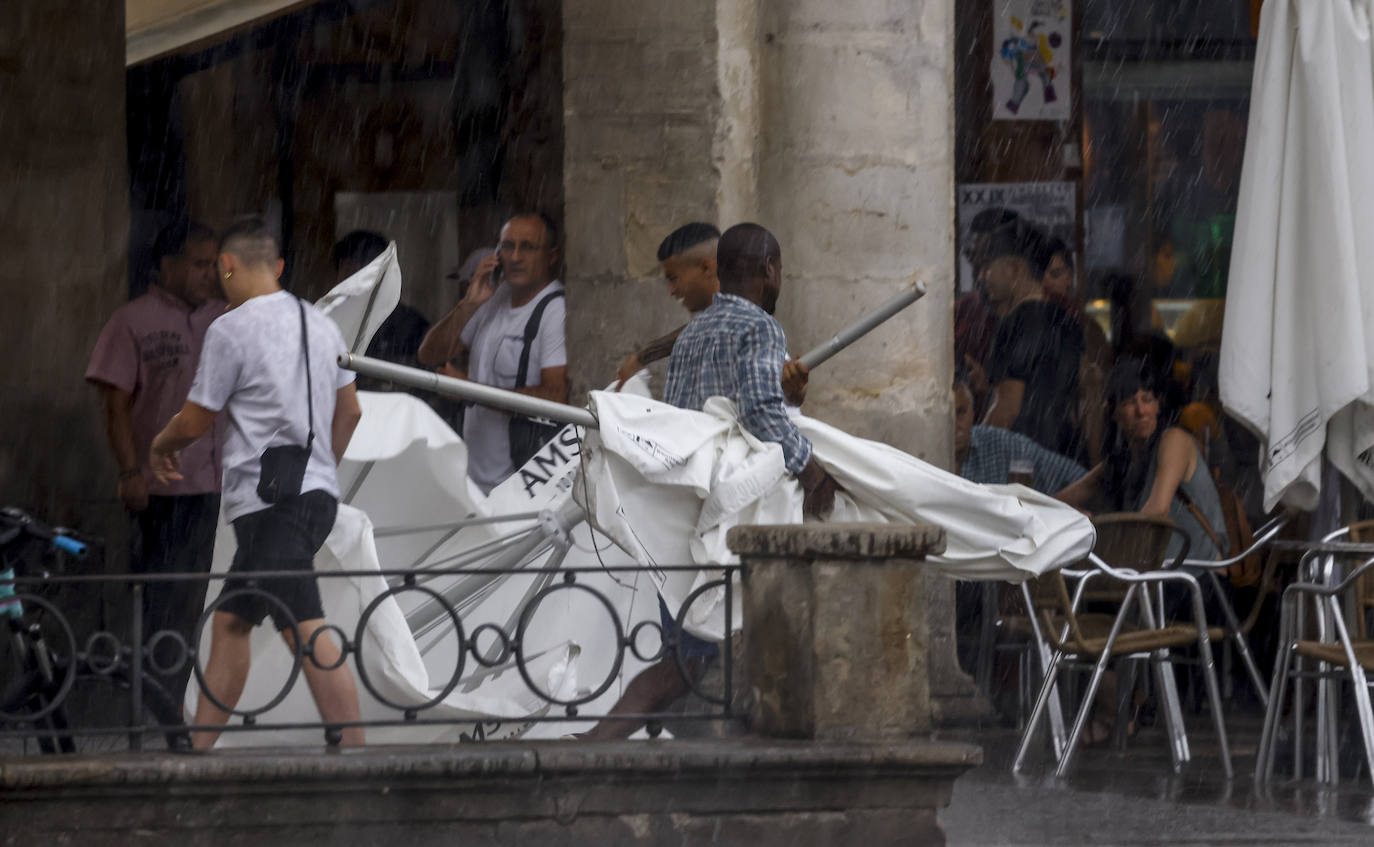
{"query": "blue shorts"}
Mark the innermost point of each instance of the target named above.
(689, 646)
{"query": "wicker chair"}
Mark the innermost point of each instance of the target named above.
(1128, 556)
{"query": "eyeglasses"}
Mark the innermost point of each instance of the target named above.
(522, 246)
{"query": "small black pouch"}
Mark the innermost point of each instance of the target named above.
(283, 472)
(283, 466)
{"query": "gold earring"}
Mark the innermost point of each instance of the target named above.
(228, 274)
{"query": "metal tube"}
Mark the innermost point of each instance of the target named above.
(473, 392)
(523, 404)
(863, 326)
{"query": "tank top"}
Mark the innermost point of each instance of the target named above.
(1203, 493)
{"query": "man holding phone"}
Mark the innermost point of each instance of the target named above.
(507, 332)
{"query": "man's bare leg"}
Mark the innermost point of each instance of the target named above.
(655, 687)
(335, 694)
(231, 654)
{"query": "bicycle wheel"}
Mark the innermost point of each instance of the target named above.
(98, 702)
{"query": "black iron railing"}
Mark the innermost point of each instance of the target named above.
(61, 691)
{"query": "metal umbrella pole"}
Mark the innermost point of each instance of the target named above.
(473, 392)
(534, 407)
(863, 326)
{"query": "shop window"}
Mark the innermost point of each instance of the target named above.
(1166, 89)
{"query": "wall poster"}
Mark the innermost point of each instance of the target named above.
(1050, 206)
(1030, 60)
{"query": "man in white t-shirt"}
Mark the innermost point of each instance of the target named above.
(271, 365)
(513, 312)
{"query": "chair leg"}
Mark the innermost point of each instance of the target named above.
(1299, 697)
(988, 638)
(1321, 763)
(1023, 681)
(1046, 689)
(1264, 757)
(1273, 713)
(1172, 710)
(1333, 732)
(1233, 631)
(1045, 655)
(1366, 716)
(1361, 683)
(1085, 710)
(1214, 693)
(1251, 667)
(1125, 698)
(1178, 752)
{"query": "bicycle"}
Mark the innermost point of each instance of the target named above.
(54, 693)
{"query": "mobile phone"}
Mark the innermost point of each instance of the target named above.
(496, 274)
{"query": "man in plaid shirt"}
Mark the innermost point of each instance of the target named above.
(736, 349)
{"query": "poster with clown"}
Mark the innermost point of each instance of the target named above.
(1031, 60)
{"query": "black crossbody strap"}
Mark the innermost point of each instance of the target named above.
(309, 399)
(532, 332)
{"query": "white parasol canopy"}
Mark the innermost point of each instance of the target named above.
(1298, 345)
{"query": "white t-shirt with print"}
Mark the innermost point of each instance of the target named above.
(495, 336)
(252, 368)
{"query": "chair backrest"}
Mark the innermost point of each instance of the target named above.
(1125, 540)
(1362, 532)
(1135, 541)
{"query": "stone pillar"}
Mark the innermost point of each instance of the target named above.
(856, 178)
(64, 215)
(836, 647)
(831, 124)
(644, 111)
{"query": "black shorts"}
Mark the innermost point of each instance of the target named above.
(282, 537)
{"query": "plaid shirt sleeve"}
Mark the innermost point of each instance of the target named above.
(992, 451)
(760, 401)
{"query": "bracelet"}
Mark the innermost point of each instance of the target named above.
(125, 476)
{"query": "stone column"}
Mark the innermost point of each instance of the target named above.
(856, 178)
(830, 123)
(835, 645)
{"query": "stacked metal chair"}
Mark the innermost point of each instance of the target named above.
(1323, 648)
(1127, 585)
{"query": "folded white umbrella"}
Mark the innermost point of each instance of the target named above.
(1298, 343)
(691, 476)
(404, 482)
(362, 302)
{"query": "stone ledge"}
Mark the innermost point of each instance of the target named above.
(837, 541)
(575, 794)
(549, 758)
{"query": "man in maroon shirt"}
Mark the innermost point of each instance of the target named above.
(143, 364)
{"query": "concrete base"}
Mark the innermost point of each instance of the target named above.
(567, 793)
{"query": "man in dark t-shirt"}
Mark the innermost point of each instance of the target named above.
(1034, 361)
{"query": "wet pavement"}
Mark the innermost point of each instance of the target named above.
(1134, 798)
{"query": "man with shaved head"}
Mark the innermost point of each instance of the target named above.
(736, 349)
(270, 365)
(687, 258)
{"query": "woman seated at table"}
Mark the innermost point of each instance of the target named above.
(1151, 466)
